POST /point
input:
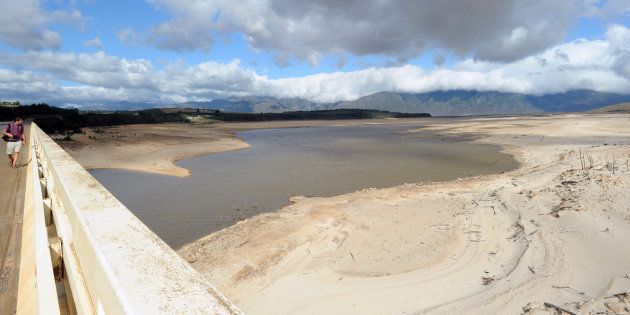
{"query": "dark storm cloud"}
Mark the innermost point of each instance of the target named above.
(619, 39)
(492, 30)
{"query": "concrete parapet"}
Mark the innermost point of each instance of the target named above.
(111, 262)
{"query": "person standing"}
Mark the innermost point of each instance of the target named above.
(14, 133)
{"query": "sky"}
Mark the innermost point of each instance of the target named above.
(84, 52)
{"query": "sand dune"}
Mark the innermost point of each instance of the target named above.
(544, 237)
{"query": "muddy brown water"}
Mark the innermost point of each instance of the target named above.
(322, 161)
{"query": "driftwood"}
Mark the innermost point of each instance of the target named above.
(619, 295)
(568, 288)
(559, 309)
(487, 280)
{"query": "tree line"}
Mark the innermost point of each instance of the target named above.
(62, 120)
(54, 119)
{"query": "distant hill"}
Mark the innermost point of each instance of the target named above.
(255, 104)
(464, 103)
(438, 103)
(617, 108)
(577, 101)
(447, 103)
(120, 106)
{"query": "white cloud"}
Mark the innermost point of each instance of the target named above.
(600, 65)
(94, 43)
(97, 69)
(128, 36)
(24, 24)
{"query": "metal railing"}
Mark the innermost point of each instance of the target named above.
(84, 252)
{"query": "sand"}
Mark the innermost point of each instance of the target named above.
(553, 234)
(544, 237)
(148, 148)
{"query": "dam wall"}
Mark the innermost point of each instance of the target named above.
(84, 252)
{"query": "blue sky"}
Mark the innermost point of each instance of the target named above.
(288, 46)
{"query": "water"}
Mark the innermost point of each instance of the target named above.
(281, 163)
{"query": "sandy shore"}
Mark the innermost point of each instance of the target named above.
(149, 148)
(545, 237)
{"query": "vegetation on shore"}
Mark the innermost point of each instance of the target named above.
(33, 110)
(62, 120)
(9, 103)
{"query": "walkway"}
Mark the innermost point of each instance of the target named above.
(12, 183)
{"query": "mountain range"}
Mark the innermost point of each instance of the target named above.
(438, 103)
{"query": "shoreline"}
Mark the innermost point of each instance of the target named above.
(461, 159)
(156, 152)
(151, 150)
(168, 165)
(503, 243)
(515, 242)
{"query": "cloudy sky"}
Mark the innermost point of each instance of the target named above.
(82, 52)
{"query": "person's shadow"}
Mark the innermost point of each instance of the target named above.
(24, 164)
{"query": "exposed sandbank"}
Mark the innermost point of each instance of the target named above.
(548, 232)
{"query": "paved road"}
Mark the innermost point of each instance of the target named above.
(12, 183)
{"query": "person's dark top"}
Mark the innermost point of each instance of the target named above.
(16, 130)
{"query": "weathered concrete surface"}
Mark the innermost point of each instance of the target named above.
(37, 291)
(121, 265)
(12, 182)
